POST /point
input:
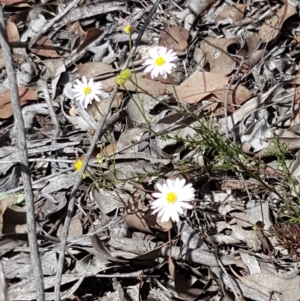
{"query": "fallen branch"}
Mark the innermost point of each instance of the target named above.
(24, 164)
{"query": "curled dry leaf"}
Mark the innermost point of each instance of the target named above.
(91, 36)
(271, 28)
(25, 95)
(251, 52)
(219, 59)
(252, 43)
(182, 285)
(174, 37)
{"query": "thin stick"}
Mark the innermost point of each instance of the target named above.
(24, 165)
(51, 112)
(226, 274)
(37, 46)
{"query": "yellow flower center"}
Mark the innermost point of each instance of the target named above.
(87, 90)
(171, 198)
(128, 29)
(78, 164)
(160, 61)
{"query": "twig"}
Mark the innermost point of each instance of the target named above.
(226, 274)
(51, 111)
(24, 165)
(52, 22)
(37, 46)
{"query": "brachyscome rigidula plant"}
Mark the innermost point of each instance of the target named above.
(172, 198)
(85, 92)
(161, 62)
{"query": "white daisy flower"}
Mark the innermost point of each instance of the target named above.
(160, 62)
(172, 197)
(86, 92)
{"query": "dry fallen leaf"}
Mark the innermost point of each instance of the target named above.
(252, 43)
(94, 69)
(174, 37)
(182, 285)
(12, 217)
(2, 64)
(268, 283)
(12, 31)
(219, 59)
(11, 2)
(199, 85)
(107, 151)
(75, 230)
(76, 28)
(4, 204)
(135, 212)
(97, 109)
(155, 222)
(91, 36)
(25, 95)
(271, 28)
(232, 13)
(236, 96)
